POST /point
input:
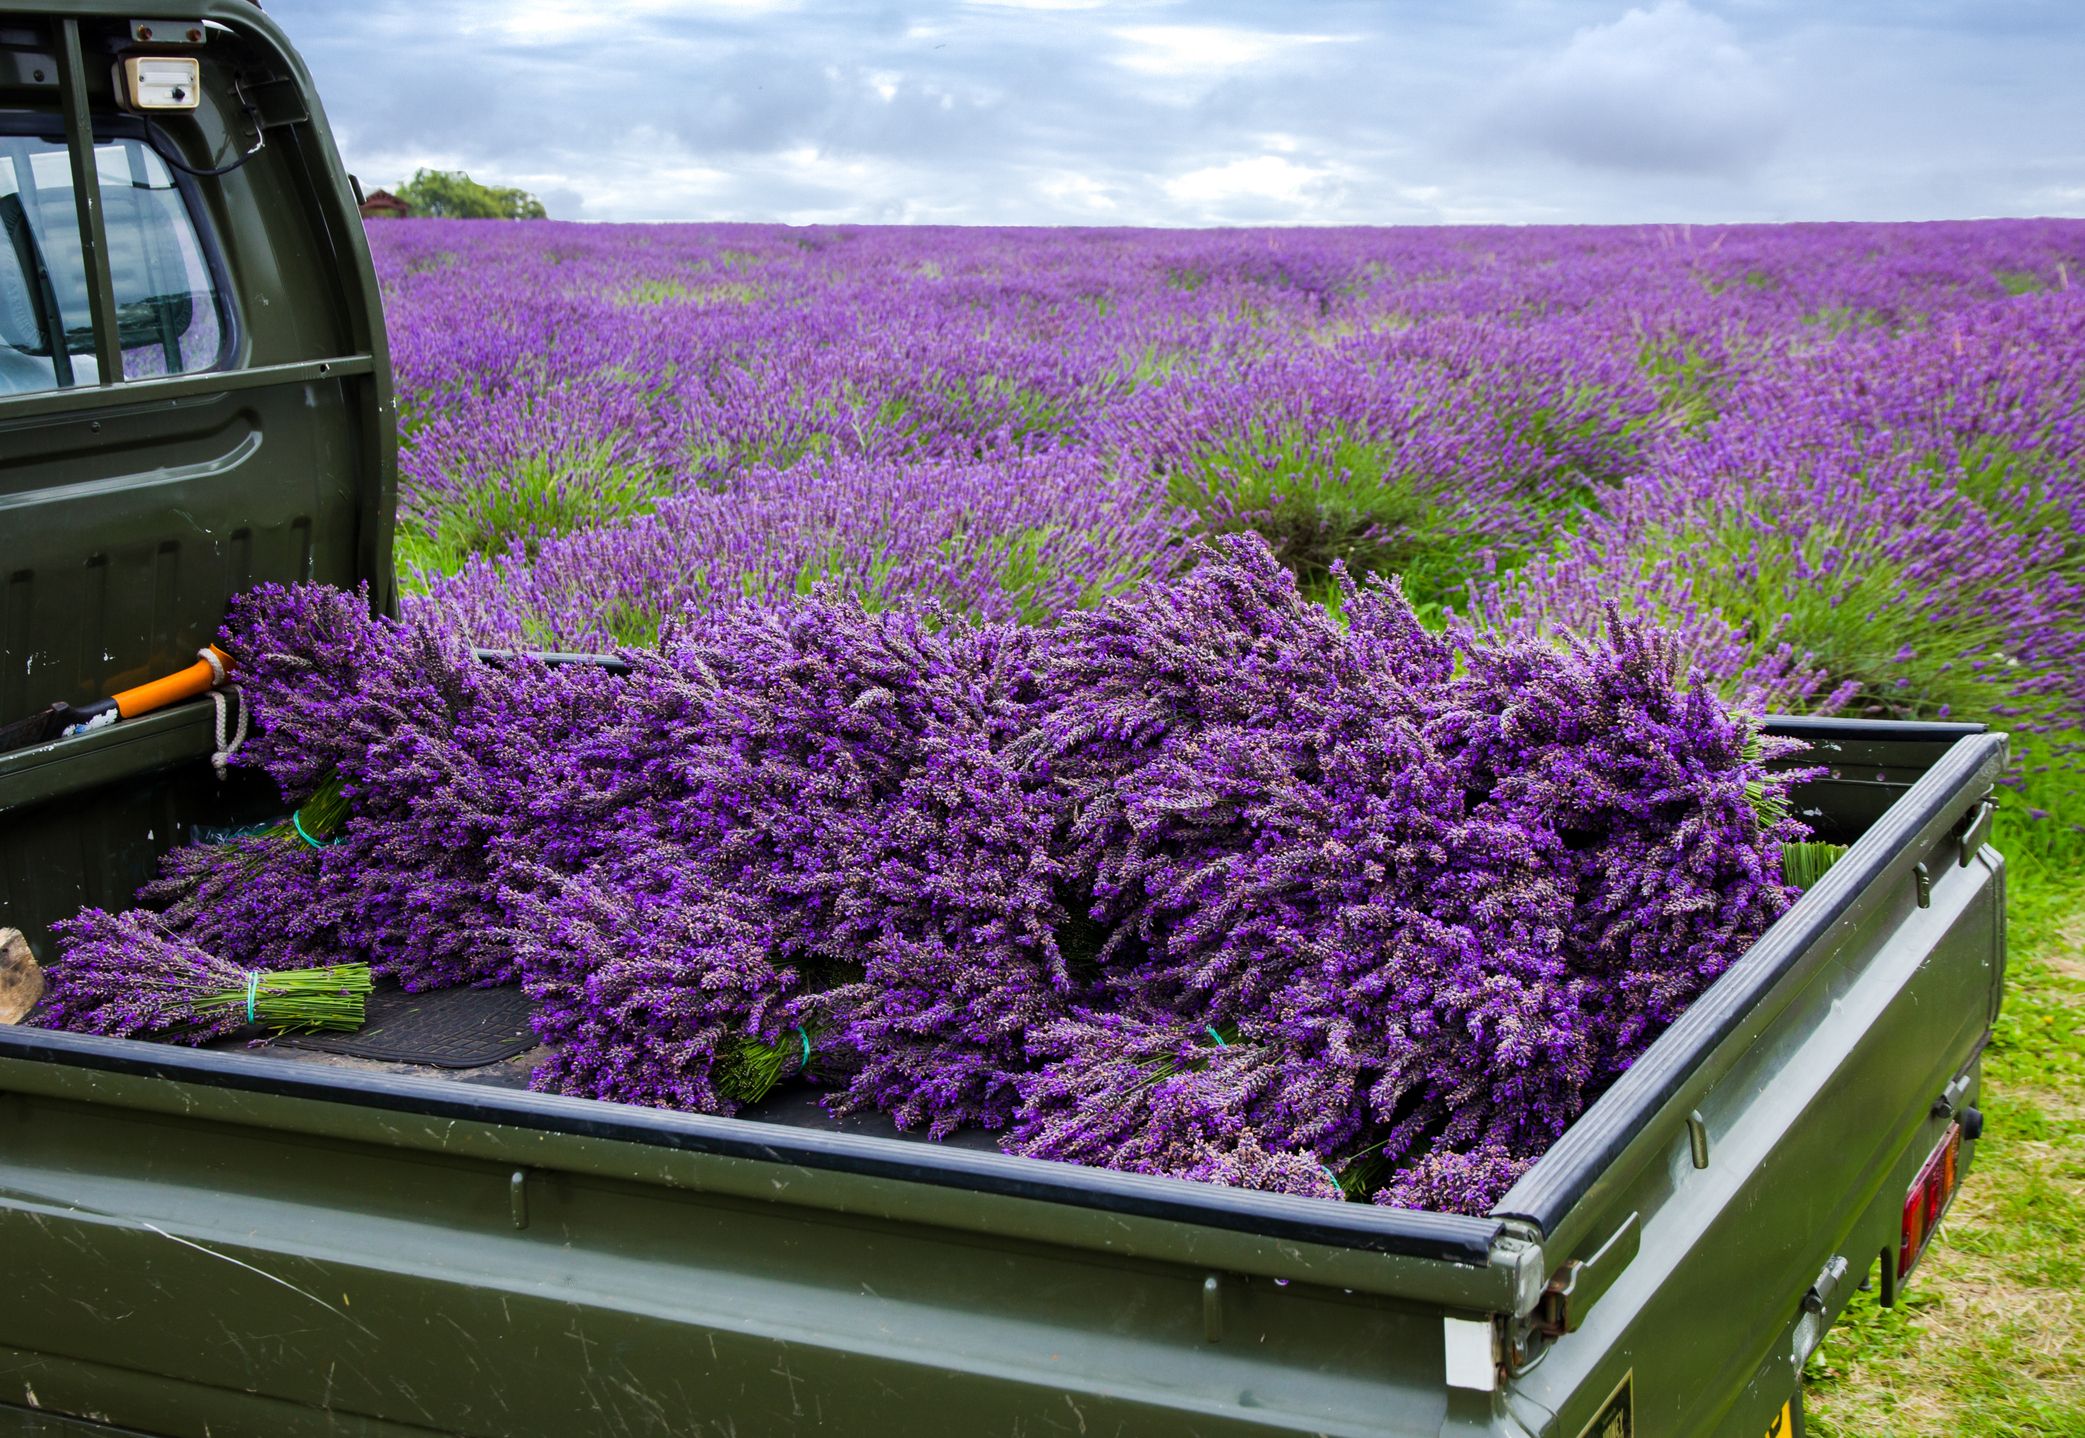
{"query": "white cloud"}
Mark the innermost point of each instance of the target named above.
(1078, 192)
(1177, 50)
(1665, 89)
(1263, 177)
(558, 22)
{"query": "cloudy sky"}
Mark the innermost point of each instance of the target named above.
(1196, 112)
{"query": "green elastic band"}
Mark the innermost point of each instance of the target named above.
(1334, 1177)
(297, 821)
(807, 1046)
(1215, 1035)
(253, 987)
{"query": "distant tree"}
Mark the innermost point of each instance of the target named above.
(454, 195)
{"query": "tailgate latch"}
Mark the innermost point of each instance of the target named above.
(1976, 830)
(1578, 1285)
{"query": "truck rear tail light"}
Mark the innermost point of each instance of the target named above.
(1928, 1198)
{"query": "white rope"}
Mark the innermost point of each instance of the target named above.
(227, 744)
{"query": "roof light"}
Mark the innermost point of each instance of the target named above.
(162, 82)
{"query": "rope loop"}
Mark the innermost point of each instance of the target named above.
(228, 744)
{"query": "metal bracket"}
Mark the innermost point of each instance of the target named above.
(1579, 1284)
(273, 103)
(169, 32)
(1922, 885)
(1471, 1349)
(1813, 1314)
(1698, 1139)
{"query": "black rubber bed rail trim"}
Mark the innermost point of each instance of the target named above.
(1403, 1232)
(555, 658)
(1854, 731)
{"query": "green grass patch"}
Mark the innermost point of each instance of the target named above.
(1325, 496)
(1022, 570)
(835, 566)
(1836, 320)
(1690, 383)
(681, 291)
(539, 499)
(1025, 569)
(1840, 597)
(1988, 1340)
(1151, 366)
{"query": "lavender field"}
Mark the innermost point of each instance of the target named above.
(1842, 461)
(1845, 463)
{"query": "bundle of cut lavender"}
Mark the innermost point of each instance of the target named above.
(1205, 882)
(124, 975)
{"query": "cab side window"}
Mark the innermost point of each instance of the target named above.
(170, 318)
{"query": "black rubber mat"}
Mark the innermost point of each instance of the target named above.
(448, 1028)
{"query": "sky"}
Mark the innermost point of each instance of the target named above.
(1216, 112)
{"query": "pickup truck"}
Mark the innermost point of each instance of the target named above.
(280, 1239)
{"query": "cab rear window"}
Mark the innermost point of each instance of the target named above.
(170, 316)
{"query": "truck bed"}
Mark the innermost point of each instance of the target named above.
(276, 1239)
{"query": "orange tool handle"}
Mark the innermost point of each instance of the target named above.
(189, 683)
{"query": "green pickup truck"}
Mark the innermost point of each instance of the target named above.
(280, 1240)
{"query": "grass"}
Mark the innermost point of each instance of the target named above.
(670, 291)
(1988, 1341)
(1325, 495)
(1837, 595)
(538, 499)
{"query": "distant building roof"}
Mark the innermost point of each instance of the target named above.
(382, 204)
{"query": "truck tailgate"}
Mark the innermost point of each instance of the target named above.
(1814, 1080)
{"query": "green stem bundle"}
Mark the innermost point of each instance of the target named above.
(748, 1069)
(299, 1000)
(1803, 863)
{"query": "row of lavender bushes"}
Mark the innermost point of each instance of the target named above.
(1843, 462)
(1202, 882)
